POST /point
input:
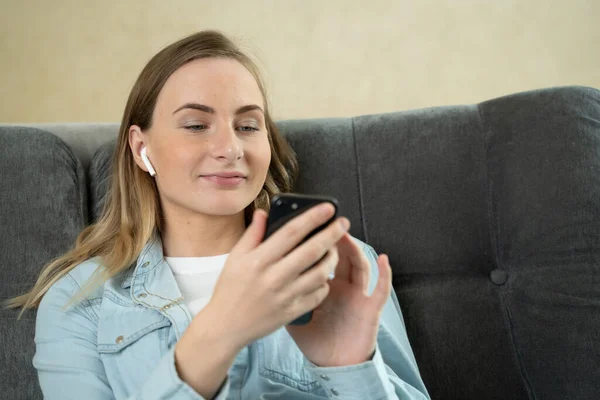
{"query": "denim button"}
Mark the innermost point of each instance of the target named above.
(119, 339)
(334, 392)
(144, 265)
(142, 295)
(499, 276)
(325, 377)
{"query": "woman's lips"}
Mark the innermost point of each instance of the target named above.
(224, 181)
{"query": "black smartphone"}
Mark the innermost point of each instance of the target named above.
(286, 206)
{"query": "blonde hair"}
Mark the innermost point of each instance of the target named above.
(132, 212)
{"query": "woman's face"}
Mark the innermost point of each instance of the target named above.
(208, 142)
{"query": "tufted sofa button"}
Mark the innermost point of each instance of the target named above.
(499, 276)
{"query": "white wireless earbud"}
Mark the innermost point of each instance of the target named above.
(147, 162)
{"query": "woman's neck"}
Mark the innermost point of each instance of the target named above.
(200, 235)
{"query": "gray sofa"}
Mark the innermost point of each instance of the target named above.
(490, 214)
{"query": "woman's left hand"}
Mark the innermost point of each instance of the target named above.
(343, 328)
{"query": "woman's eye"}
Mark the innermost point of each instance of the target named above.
(248, 128)
(195, 128)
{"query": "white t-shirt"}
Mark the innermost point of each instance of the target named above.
(196, 278)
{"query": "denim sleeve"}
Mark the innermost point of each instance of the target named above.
(68, 362)
(392, 373)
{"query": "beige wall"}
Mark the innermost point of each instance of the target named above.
(75, 60)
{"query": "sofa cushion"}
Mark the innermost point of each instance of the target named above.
(43, 206)
(543, 152)
(424, 202)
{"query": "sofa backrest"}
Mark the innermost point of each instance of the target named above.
(43, 206)
(490, 214)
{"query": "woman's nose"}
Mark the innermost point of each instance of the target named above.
(227, 146)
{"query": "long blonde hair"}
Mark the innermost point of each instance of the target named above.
(132, 212)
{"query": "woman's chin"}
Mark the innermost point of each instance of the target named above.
(224, 208)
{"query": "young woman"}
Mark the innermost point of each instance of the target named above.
(173, 293)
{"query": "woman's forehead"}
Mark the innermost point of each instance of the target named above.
(216, 82)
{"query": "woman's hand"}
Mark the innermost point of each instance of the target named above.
(343, 329)
(262, 286)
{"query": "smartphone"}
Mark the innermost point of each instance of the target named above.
(286, 206)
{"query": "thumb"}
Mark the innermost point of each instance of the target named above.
(254, 232)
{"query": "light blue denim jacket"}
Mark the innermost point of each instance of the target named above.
(118, 343)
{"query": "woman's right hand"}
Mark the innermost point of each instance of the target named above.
(258, 291)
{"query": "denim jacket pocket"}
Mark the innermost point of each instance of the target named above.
(131, 342)
(124, 328)
(280, 360)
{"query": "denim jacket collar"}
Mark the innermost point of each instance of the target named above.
(151, 284)
(150, 256)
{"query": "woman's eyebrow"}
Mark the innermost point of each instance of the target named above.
(210, 110)
(249, 107)
(196, 106)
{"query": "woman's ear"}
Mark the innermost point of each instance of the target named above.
(139, 149)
